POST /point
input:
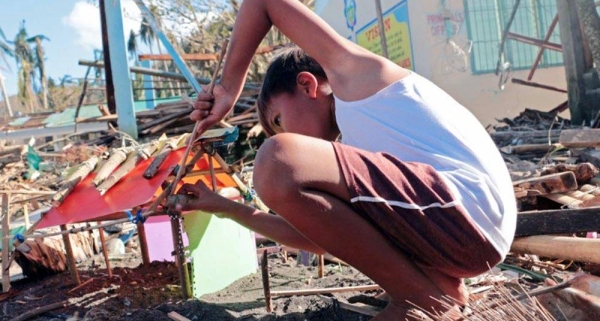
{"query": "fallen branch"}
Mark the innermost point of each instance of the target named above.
(43, 309)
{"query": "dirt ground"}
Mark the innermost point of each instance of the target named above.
(149, 292)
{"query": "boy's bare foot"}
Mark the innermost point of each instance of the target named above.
(393, 311)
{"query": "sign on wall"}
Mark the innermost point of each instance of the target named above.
(357, 21)
(397, 35)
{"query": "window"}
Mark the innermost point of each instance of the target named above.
(486, 20)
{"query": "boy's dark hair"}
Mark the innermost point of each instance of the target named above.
(281, 78)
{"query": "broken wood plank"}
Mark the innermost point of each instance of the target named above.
(559, 247)
(583, 171)
(558, 221)
(548, 184)
(5, 242)
(566, 200)
(580, 138)
(527, 148)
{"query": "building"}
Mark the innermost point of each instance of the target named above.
(455, 44)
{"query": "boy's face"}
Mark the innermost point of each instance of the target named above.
(301, 114)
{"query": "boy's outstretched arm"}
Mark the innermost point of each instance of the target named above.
(273, 227)
(353, 72)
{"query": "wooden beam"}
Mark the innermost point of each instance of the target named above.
(540, 54)
(535, 42)
(574, 60)
(559, 247)
(558, 221)
(580, 138)
(202, 56)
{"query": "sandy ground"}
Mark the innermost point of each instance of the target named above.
(151, 292)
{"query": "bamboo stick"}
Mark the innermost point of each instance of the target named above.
(74, 179)
(117, 157)
(128, 165)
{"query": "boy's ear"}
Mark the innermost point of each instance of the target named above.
(308, 83)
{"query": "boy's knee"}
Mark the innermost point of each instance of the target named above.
(272, 167)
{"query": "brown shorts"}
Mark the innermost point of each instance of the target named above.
(412, 206)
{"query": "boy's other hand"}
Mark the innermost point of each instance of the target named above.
(197, 196)
(210, 108)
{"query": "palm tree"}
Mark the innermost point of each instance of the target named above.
(5, 50)
(39, 64)
(25, 63)
(132, 46)
(148, 37)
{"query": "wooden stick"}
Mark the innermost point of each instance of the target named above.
(321, 266)
(194, 133)
(5, 242)
(264, 268)
(88, 281)
(21, 191)
(37, 311)
(105, 252)
(213, 175)
(26, 215)
(143, 243)
(70, 256)
(160, 158)
(326, 290)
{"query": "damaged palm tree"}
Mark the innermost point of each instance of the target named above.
(76, 176)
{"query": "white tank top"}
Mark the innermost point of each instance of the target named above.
(417, 121)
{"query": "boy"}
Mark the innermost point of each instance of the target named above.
(416, 195)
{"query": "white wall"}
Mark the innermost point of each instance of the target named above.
(432, 57)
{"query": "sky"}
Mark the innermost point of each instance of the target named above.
(73, 27)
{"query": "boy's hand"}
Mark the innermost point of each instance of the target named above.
(209, 108)
(198, 197)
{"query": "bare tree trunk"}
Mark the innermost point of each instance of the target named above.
(42, 68)
(6, 98)
(591, 27)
